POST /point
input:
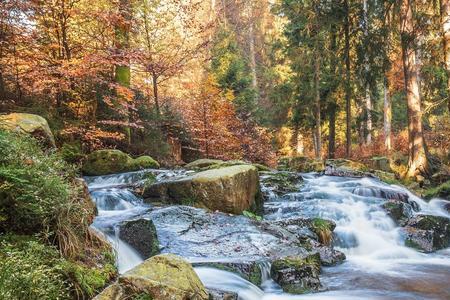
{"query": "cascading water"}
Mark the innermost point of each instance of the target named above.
(378, 265)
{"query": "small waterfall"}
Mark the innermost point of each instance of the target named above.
(378, 265)
(127, 257)
(227, 281)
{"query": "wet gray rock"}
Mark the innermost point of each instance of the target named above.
(399, 211)
(194, 233)
(329, 256)
(280, 183)
(297, 275)
(249, 270)
(389, 194)
(428, 233)
(141, 235)
(222, 295)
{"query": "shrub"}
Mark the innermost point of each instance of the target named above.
(40, 196)
(30, 270)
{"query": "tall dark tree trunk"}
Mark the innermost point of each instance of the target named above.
(317, 109)
(348, 107)
(332, 134)
(418, 162)
(445, 24)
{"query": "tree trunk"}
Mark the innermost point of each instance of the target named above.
(155, 94)
(418, 161)
(317, 128)
(348, 108)
(368, 97)
(445, 21)
(387, 117)
(332, 134)
(122, 43)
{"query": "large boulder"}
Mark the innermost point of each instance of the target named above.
(202, 163)
(300, 164)
(141, 235)
(428, 233)
(380, 163)
(231, 189)
(33, 125)
(297, 275)
(165, 277)
(110, 161)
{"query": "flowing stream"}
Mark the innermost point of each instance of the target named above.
(378, 266)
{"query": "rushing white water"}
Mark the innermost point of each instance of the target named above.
(378, 265)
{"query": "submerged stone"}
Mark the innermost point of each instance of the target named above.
(249, 270)
(281, 182)
(297, 275)
(428, 233)
(399, 211)
(141, 235)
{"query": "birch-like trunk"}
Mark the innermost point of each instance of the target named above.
(387, 117)
(418, 162)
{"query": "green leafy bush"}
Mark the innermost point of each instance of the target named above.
(41, 197)
(34, 187)
(30, 270)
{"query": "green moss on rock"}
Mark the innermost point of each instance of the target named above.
(165, 277)
(110, 161)
(441, 191)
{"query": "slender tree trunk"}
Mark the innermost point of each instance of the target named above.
(332, 135)
(445, 21)
(387, 114)
(155, 94)
(368, 97)
(253, 58)
(348, 108)
(317, 109)
(418, 162)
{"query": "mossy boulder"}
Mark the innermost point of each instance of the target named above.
(230, 189)
(380, 163)
(346, 168)
(281, 182)
(300, 164)
(399, 211)
(202, 163)
(33, 125)
(165, 277)
(428, 233)
(110, 161)
(441, 191)
(141, 235)
(297, 275)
